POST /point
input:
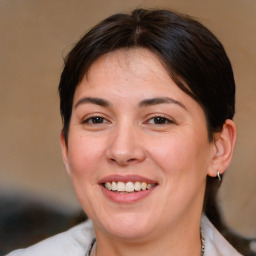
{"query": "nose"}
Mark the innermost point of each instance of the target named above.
(125, 147)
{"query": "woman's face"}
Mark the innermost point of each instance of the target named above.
(131, 128)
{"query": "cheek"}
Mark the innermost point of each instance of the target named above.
(183, 154)
(170, 150)
(84, 156)
(84, 161)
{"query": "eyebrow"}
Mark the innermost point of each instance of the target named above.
(92, 100)
(143, 103)
(160, 100)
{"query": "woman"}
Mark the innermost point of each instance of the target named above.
(147, 102)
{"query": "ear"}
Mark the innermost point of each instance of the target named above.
(64, 150)
(224, 143)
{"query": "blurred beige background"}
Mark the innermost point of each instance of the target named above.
(35, 34)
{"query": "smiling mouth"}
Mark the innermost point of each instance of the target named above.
(128, 187)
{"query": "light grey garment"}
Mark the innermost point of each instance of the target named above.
(73, 242)
(77, 241)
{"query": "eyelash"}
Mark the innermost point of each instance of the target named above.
(93, 120)
(163, 120)
(155, 120)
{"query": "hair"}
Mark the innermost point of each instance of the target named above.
(192, 55)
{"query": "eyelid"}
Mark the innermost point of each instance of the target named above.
(169, 119)
(86, 118)
(91, 118)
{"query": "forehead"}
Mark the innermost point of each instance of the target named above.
(134, 61)
(137, 72)
(130, 75)
(137, 66)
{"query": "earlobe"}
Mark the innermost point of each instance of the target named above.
(64, 150)
(224, 143)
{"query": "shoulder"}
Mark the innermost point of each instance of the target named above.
(73, 242)
(215, 243)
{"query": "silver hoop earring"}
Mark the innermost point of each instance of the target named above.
(219, 177)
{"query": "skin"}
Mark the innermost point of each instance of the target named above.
(121, 134)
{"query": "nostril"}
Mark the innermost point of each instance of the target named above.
(122, 161)
(131, 160)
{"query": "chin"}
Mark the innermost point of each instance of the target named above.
(128, 226)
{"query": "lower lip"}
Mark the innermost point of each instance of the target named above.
(126, 197)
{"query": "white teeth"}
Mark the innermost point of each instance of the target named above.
(127, 187)
(143, 185)
(108, 185)
(149, 186)
(114, 186)
(121, 186)
(137, 186)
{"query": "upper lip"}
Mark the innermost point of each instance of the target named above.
(126, 178)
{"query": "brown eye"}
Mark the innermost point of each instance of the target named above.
(96, 120)
(159, 120)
